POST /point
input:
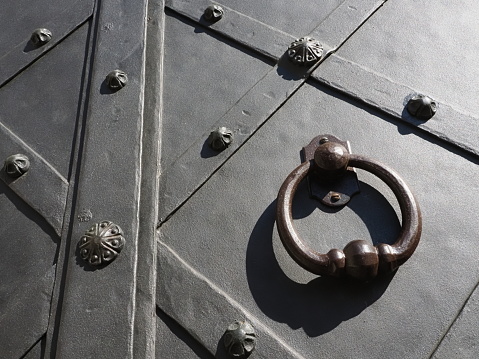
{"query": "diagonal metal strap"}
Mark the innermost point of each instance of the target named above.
(42, 187)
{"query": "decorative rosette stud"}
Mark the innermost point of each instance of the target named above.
(102, 243)
(305, 51)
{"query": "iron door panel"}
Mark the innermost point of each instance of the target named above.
(224, 239)
(19, 19)
(250, 108)
(461, 340)
(41, 125)
(100, 310)
(409, 48)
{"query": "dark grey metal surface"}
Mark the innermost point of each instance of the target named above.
(201, 249)
(109, 186)
(409, 48)
(211, 235)
(19, 19)
(243, 107)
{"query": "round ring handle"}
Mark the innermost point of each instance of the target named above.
(359, 259)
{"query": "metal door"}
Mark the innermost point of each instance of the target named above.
(116, 110)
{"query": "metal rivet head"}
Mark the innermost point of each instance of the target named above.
(335, 197)
(323, 140)
(213, 13)
(240, 339)
(421, 106)
(116, 80)
(102, 243)
(41, 36)
(220, 138)
(16, 165)
(305, 51)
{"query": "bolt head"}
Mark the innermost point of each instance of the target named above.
(220, 139)
(41, 36)
(116, 80)
(240, 339)
(335, 197)
(213, 13)
(16, 165)
(305, 51)
(421, 106)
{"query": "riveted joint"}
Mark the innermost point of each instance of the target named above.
(220, 139)
(116, 80)
(213, 13)
(240, 339)
(305, 51)
(16, 165)
(41, 36)
(421, 106)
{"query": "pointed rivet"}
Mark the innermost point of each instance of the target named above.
(305, 51)
(116, 80)
(421, 106)
(220, 138)
(240, 339)
(41, 36)
(16, 165)
(213, 13)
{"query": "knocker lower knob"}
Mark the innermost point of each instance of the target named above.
(359, 259)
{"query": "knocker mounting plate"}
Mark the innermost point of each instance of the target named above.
(335, 192)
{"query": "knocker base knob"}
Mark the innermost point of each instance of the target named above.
(362, 260)
(331, 159)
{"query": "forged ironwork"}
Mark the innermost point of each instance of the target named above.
(41, 36)
(359, 259)
(116, 80)
(220, 139)
(102, 243)
(16, 165)
(332, 190)
(240, 339)
(305, 51)
(213, 13)
(422, 107)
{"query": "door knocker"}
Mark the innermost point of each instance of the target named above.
(359, 259)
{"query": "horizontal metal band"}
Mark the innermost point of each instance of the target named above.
(207, 319)
(391, 97)
(42, 187)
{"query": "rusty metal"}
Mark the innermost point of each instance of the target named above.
(333, 191)
(359, 259)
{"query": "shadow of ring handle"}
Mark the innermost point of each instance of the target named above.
(359, 259)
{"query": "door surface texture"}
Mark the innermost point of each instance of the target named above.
(144, 144)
